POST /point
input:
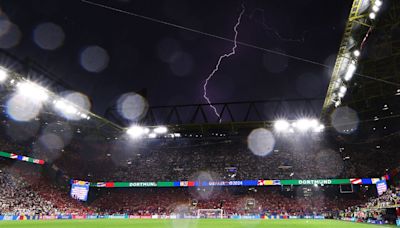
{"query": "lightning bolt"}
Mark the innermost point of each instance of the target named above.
(216, 68)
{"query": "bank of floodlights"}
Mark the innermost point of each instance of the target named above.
(375, 9)
(136, 131)
(301, 125)
(32, 91)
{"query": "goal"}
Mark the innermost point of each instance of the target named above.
(210, 213)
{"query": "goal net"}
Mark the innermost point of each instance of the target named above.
(210, 213)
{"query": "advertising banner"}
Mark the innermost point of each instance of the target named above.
(260, 182)
(316, 181)
(64, 217)
(21, 158)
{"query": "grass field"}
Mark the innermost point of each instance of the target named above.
(184, 223)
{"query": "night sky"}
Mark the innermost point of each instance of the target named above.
(104, 54)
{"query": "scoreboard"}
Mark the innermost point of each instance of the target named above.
(80, 190)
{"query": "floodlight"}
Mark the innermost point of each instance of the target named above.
(146, 130)
(3, 75)
(313, 123)
(84, 116)
(375, 8)
(281, 125)
(378, 3)
(160, 130)
(356, 53)
(319, 128)
(343, 89)
(350, 71)
(33, 91)
(303, 124)
(71, 109)
(372, 15)
(135, 131)
(152, 135)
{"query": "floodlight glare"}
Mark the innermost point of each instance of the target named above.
(135, 131)
(356, 53)
(313, 123)
(3, 75)
(146, 130)
(60, 105)
(319, 128)
(372, 15)
(375, 8)
(71, 109)
(33, 91)
(84, 116)
(303, 124)
(160, 130)
(378, 3)
(343, 89)
(281, 125)
(152, 135)
(350, 71)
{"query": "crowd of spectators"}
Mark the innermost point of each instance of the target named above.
(27, 193)
(118, 162)
(376, 208)
(294, 158)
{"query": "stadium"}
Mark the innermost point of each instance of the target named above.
(170, 113)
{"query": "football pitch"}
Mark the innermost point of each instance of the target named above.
(192, 223)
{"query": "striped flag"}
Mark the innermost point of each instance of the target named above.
(260, 182)
(13, 156)
(356, 181)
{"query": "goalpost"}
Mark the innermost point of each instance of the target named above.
(210, 213)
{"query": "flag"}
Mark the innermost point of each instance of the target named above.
(101, 184)
(268, 182)
(260, 182)
(356, 181)
(25, 158)
(375, 180)
(109, 184)
(366, 181)
(276, 182)
(13, 156)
